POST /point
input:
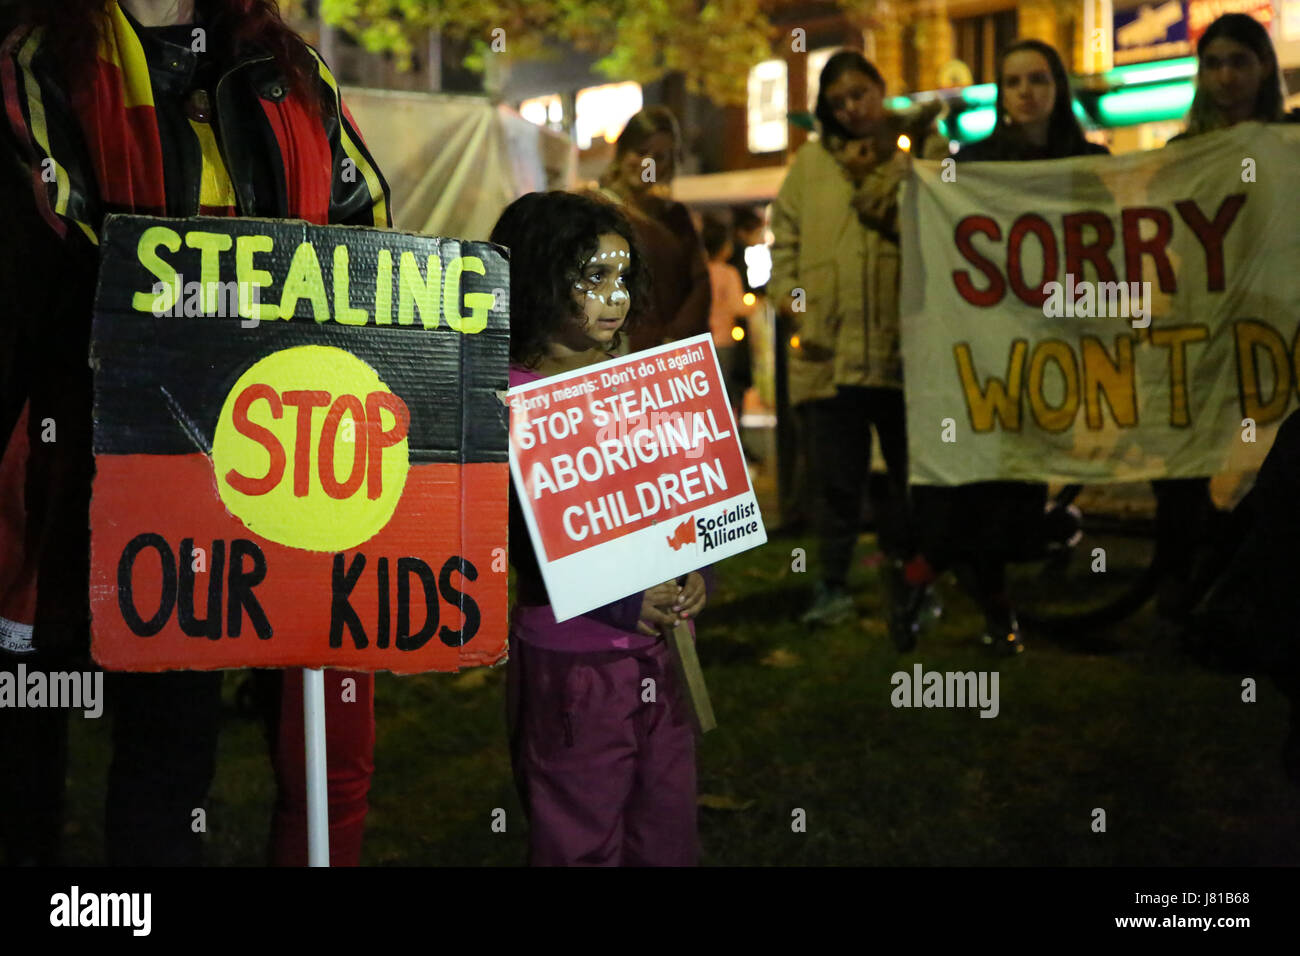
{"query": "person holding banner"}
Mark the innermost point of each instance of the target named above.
(606, 776)
(835, 274)
(1237, 77)
(1237, 80)
(215, 108)
(980, 527)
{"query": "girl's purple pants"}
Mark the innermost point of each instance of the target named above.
(604, 756)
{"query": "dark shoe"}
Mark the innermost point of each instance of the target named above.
(911, 606)
(830, 606)
(1002, 634)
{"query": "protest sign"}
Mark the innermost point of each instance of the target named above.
(1102, 318)
(630, 473)
(300, 448)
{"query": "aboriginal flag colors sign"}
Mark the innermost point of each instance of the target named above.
(300, 448)
(1102, 318)
(630, 473)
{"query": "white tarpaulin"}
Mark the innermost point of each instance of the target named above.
(455, 162)
(1099, 319)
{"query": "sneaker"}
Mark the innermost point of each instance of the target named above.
(830, 606)
(1003, 635)
(909, 606)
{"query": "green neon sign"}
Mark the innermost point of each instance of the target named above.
(1168, 101)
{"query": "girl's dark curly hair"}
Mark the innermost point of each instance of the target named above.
(551, 236)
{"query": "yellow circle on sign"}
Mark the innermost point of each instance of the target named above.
(311, 449)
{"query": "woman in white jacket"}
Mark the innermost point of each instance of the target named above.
(835, 273)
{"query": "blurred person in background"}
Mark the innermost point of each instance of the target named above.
(835, 275)
(748, 230)
(981, 526)
(640, 180)
(1237, 80)
(728, 306)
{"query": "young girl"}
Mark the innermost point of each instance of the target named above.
(605, 777)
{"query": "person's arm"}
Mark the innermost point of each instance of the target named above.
(48, 255)
(876, 196)
(692, 316)
(14, 383)
(785, 232)
(622, 614)
(43, 150)
(359, 195)
(735, 292)
(936, 144)
(876, 199)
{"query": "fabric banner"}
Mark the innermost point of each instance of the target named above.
(1102, 319)
(455, 162)
(300, 448)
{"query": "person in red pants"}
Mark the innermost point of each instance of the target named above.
(118, 108)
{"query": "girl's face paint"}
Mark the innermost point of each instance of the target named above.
(601, 292)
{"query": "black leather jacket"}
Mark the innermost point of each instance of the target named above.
(49, 261)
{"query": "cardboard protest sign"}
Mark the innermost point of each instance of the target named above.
(630, 473)
(300, 448)
(1102, 318)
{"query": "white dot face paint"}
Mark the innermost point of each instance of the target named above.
(601, 291)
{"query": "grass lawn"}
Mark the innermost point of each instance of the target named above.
(1186, 772)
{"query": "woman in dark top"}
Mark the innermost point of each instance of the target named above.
(639, 181)
(985, 524)
(1035, 111)
(1236, 81)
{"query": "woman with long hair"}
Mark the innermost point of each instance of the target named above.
(638, 179)
(1035, 109)
(167, 108)
(835, 275)
(1237, 77)
(981, 526)
(1237, 80)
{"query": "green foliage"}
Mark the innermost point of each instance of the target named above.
(713, 43)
